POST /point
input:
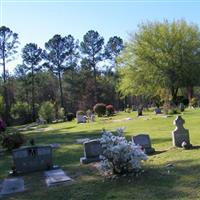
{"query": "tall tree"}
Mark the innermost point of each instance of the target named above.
(32, 56)
(8, 45)
(70, 76)
(112, 49)
(161, 55)
(91, 47)
(56, 53)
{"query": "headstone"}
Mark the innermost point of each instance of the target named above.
(92, 151)
(55, 177)
(144, 141)
(180, 134)
(55, 145)
(157, 111)
(12, 185)
(140, 109)
(33, 158)
(181, 107)
(82, 140)
(81, 118)
(92, 118)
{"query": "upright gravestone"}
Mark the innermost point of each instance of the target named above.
(139, 111)
(180, 135)
(81, 118)
(144, 141)
(92, 151)
(157, 111)
(34, 158)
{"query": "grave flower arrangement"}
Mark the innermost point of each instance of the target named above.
(119, 155)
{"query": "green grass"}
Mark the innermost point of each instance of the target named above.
(183, 181)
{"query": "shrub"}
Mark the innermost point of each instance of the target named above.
(110, 110)
(100, 109)
(80, 112)
(120, 156)
(194, 102)
(2, 126)
(47, 111)
(173, 111)
(88, 113)
(21, 112)
(70, 116)
(12, 141)
(61, 113)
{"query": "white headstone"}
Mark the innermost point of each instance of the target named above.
(180, 134)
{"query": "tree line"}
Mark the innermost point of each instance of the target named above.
(159, 63)
(71, 74)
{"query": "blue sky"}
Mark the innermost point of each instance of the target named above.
(37, 21)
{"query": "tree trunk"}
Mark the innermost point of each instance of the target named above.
(61, 91)
(174, 92)
(95, 82)
(190, 92)
(6, 114)
(33, 95)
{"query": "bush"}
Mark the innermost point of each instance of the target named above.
(70, 116)
(120, 156)
(100, 109)
(21, 112)
(110, 110)
(61, 113)
(2, 126)
(80, 112)
(194, 102)
(47, 111)
(174, 111)
(12, 141)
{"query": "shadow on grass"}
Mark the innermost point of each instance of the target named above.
(154, 184)
(161, 140)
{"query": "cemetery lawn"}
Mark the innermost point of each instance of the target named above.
(181, 182)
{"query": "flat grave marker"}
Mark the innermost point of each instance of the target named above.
(12, 185)
(55, 177)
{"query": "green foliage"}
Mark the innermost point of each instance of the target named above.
(194, 102)
(61, 113)
(160, 55)
(80, 112)
(20, 111)
(13, 141)
(100, 109)
(2, 106)
(47, 111)
(168, 109)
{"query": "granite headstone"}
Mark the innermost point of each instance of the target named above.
(144, 141)
(92, 151)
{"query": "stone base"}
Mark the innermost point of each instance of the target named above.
(85, 160)
(149, 151)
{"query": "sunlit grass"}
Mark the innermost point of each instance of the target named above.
(181, 182)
